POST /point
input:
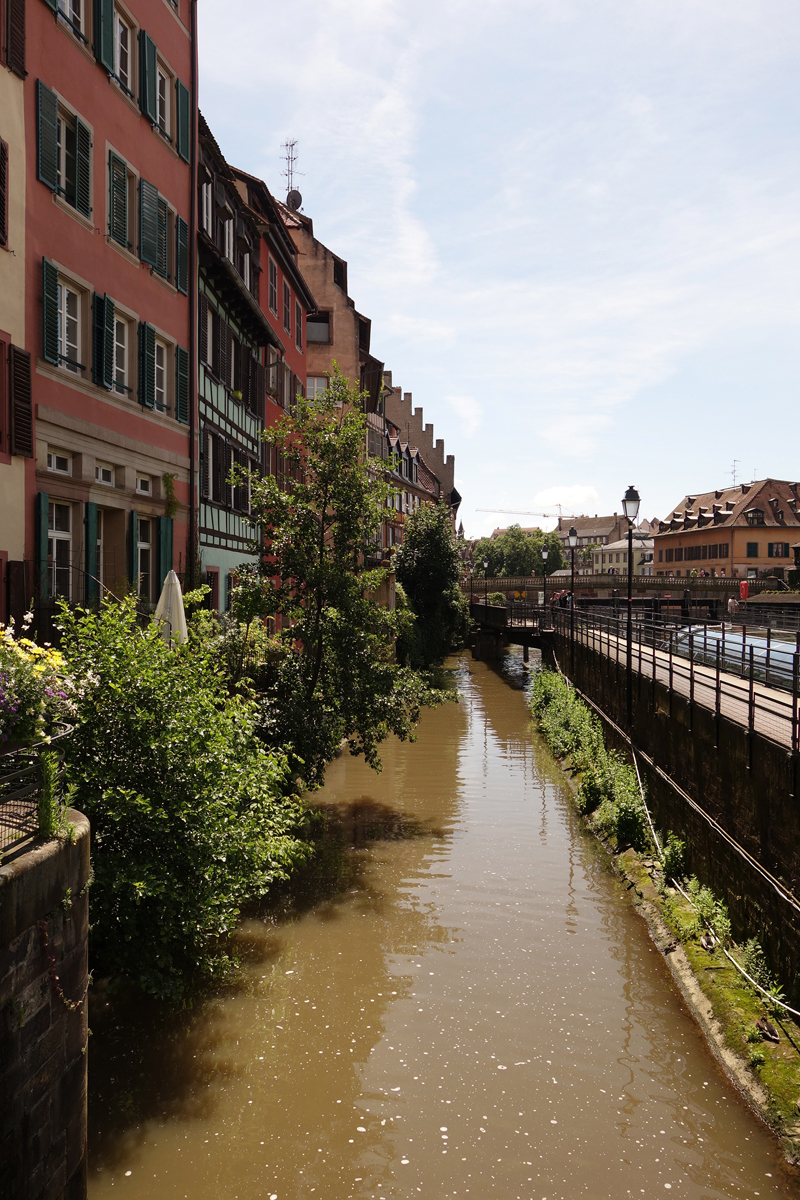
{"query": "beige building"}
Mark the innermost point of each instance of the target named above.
(16, 427)
(612, 559)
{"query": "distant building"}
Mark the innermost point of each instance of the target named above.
(745, 531)
(612, 559)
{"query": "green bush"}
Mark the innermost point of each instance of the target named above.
(674, 857)
(755, 963)
(496, 598)
(712, 911)
(189, 814)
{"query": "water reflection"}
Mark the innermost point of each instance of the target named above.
(459, 1002)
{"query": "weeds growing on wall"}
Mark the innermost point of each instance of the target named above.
(609, 792)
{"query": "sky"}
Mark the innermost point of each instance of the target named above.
(574, 224)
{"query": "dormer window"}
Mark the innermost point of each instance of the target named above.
(754, 516)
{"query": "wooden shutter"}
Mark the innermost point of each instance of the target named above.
(92, 589)
(181, 384)
(202, 326)
(182, 105)
(147, 76)
(133, 549)
(165, 528)
(181, 255)
(83, 168)
(215, 340)
(49, 312)
(224, 369)
(163, 220)
(20, 402)
(148, 223)
(104, 34)
(259, 388)
(104, 311)
(15, 37)
(3, 193)
(205, 478)
(118, 199)
(42, 572)
(47, 136)
(217, 450)
(147, 365)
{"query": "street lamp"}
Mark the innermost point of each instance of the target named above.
(572, 538)
(630, 506)
(485, 580)
(545, 553)
(470, 568)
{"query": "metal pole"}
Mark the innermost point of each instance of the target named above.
(629, 637)
(795, 674)
(691, 682)
(751, 712)
(572, 617)
(671, 635)
(744, 646)
(769, 648)
(717, 697)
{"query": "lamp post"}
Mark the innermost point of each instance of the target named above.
(572, 538)
(485, 580)
(630, 506)
(470, 568)
(545, 553)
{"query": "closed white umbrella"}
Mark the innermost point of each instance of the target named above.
(170, 611)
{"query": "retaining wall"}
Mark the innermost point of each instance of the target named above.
(744, 784)
(44, 921)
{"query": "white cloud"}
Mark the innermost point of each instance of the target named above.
(574, 498)
(470, 412)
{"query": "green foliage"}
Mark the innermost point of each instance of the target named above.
(334, 673)
(674, 857)
(428, 567)
(516, 553)
(609, 788)
(35, 691)
(756, 1059)
(712, 911)
(189, 814)
(754, 961)
(496, 598)
(172, 505)
(51, 809)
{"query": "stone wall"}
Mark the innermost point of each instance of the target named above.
(747, 789)
(44, 915)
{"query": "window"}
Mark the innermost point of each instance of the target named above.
(155, 242)
(273, 287)
(777, 550)
(298, 325)
(69, 328)
(752, 549)
(59, 461)
(318, 328)
(59, 548)
(316, 385)
(162, 96)
(206, 214)
(661, 556)
(104, 473)
(161, 376)
(144, 485)
(754, 516)
(122, 53)
(63, 151)
(228, 250)
(121, 356)
(70, 11)
(121, 197)
(287, 307)
(144, 555)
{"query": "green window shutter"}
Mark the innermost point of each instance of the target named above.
(42, 509)
(165, 526)
(148, 223)
(92, 590)
(117, 199)
(162, 265)
(15, 37)
(83, 168)
(103, 356)
(49, 312)
(47, 134)
(181, 255)
(182, 384)
(147, 76)
(182, 111)
(133, 548)
(104, 34)
(147, 365)
(20, 401)
(52, 4)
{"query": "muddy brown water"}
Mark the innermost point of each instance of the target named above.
(463, 1004)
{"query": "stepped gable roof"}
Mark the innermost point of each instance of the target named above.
(776, 499)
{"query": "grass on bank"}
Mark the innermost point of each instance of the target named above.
(608, 796)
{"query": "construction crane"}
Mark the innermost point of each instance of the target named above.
(515, 512)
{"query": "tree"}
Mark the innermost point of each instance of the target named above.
(488, 550)
(319, 524)
(516, 552)
(519, 551)
(428, 567)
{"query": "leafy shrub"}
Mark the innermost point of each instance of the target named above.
(496, 598)
(712, 911)
(756, 1059)
(674, 857)
(189, 814)
(34, 690)
(754, 961)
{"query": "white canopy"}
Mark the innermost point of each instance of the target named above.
(170, 611)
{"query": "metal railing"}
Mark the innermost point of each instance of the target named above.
(20, 792)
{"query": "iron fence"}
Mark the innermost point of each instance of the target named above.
(20, 792)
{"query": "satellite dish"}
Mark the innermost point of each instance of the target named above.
(294, 200)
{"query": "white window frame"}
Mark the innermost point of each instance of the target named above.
(163, 108)
(161, 368)
(207, 211)
(65, 318)
(298, 325)
(64, 119)
(122, 22)
(55, 538)
(121, 355)
(313, 388)
(246, 267)
(71, 10)
(53, 455)
(287, 307)
(144, 485)
(144, 547)
(99, 469)
(272, 286)
(229, 248)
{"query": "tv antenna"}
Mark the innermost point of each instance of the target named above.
(293, 197)
(736, 462)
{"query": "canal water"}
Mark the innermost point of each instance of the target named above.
(463, 1004)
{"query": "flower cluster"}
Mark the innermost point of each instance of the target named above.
(35, 690)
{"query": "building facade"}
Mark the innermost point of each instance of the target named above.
(612, 559)
(109, 148)
(742, 532)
